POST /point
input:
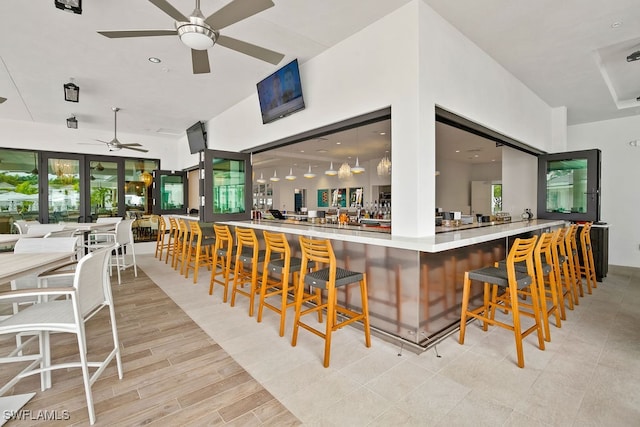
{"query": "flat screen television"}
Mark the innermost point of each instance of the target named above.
(280, 94)
(197, 138)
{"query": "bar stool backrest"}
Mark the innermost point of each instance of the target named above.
(224, 238)
(319, 252)
(247, 240)
(521, 252)
(276, 243)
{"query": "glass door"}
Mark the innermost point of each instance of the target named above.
(569, 186)
(227, 183)
(63, 187)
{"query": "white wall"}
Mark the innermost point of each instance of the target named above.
(620, 201)
(410, 60)
(519, 182)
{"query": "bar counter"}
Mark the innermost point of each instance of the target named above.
(414, 283)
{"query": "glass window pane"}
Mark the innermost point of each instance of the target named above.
(138, 180)
(567, 186)
(18, 187)
(171, 192)
(64, 189)
(103, 188)
(228, 186)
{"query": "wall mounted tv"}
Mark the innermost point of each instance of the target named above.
(280, 94)
(197, 137)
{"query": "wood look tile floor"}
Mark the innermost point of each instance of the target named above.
(210, 363)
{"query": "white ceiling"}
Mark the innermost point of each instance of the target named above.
(567, 52)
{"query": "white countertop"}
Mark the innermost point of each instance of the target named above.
(438, 243)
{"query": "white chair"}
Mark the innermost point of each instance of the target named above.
(91, 291)
(22, 226)
(42, 229)
(123, 236)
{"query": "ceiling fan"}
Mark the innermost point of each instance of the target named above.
(200, 33)
(114, 144)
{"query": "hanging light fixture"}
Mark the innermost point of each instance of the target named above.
(291, 176)
(71, 92)
(309, 174)
(74, 6)
(384, 166)
(261, 180)
(344, 171)
(147, 178)
(275, 178)
(331, 171)
(72, 122)
(357, 168)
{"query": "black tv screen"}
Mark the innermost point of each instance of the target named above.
(280, 94)
(197, 138)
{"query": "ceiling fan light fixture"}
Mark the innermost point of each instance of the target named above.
(71, 92)
(196, 34)
(72, 122)
(74, 6)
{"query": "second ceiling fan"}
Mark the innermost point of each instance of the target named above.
(114, 144)
(200, 33)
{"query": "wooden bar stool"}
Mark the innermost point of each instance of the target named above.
(279, 262)
(181, 245)
(161, 238)
(248, 256)
(221, 259)
(174, 232)
(588, 267)
(320, 252)
(573, 262)
(199, 250)
(513, 283)
(561, 270)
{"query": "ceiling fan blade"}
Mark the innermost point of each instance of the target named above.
(200, 61)
(135, 149)
(164, 6)
(2, 99)
(137, 33)
(133, 144)
(258, 52)
(236, 11)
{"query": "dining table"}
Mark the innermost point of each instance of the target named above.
(13, 265)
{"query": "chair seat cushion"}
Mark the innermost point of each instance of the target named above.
(498, 276)
(247, 255)
(58, 314)
(276, 265)
(320, 278)
(546, 268)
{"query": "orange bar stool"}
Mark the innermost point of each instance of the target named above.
(278, 266)
(561, 271)
(161, 238)
(181, 245)
(588, 267)
(513, 283)
(329, 278)
(573, 262)
(248, 256)
(174, 232)
(199, 251)
(221, 259)
(547, 285)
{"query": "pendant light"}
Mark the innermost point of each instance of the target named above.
(331, 171)
(261, 180)
(384, 166)
(357, 168)
(309, 174)
(291, 176)
(275, 178)
(344, 171)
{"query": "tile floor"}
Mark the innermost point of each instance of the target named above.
(589, 373)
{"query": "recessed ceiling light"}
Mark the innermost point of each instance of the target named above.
(338, 143)
(155, 60)
(457, 151)
(322, 150)
(616, 24)
(383, 133)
